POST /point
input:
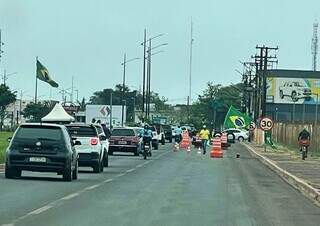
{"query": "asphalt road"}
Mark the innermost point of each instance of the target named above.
(168, 189)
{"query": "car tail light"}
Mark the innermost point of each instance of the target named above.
(94, 141)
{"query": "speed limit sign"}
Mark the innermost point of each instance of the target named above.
(252, 126)
(266, 124)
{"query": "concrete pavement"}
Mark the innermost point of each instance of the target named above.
(171, 189)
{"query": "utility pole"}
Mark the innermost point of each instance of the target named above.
(111, 109)
(314, 46)
(148, 81)
(263, 61)
(1, 44)
(123, 86)
(190, 63)
(144, 72)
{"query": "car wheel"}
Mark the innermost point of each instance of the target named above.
(136, 151)
(170, 140)
(294, 96)
(67, 174)
(75, 172)
(97, 167)
(156, 146)
(163, 141)
(308, 98)
(240, 139)
(281, 94)
(106, 159)
(110, 152)
(11, 173)
(101, 166)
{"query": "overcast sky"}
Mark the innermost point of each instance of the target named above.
(87, 39)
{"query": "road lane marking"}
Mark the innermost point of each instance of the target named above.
(40, 210)
(130, 170)
(70, 196)
(61, 201)
(91, 187)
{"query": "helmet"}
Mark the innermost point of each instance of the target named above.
(204, 126)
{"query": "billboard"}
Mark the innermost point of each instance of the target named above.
(283, 90)
(102, 113)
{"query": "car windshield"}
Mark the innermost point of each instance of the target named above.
(82, 131)
(123, 132)
(39, 132)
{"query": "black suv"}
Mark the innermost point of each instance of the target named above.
(167, 132)
(42, 148)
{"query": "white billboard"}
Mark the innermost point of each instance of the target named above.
(103, 112)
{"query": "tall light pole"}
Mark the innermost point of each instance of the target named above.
(1, 44)
(5, 76)
(190, 63)
(125, 61)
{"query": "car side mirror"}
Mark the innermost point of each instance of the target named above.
(103, 137)
(77, 142)
(9, 139)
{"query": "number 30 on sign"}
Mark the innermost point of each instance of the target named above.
(266, 124)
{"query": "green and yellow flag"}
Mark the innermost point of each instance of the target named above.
(43, 75)
(236, 119)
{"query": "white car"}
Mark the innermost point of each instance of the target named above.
(239, 134)
(93, 151)
(295, 90)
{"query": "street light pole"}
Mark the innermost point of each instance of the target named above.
(144, 72)
(123, 85)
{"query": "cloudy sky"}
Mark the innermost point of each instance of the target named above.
(87, 39)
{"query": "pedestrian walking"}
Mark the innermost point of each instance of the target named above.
(204, 135)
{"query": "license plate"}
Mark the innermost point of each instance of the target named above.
(122, 142)
(37, 159)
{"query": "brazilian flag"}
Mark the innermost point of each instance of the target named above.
(236, 119)
(43, 75)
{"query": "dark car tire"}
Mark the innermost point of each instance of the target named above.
(281, 94)
(67, 174)
(308, 98)
(240, 139)
(170, 140)
(294, 97)
(11, 173)
(75, 172)
(136, 151)
(110, 152)
(97, 167)
(156, 146)
(163, 141)
(106, 159)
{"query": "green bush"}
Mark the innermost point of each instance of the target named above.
(4, 144)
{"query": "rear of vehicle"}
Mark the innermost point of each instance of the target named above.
(167, 132)
(124, 140)
(155, 137)
(91, 152)
(239, 135)
(160, 132)
(41, 148)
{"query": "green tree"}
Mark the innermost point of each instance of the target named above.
(34, 112)
(7, 97)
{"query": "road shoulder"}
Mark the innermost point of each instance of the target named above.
(299, 181)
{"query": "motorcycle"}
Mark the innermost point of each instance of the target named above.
(304, 148)
(146, 149)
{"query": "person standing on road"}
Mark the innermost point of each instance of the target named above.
(178, 132)
(204, 135)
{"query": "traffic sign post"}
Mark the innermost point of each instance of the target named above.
(266, 124)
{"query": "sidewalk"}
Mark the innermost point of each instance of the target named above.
(303, 175)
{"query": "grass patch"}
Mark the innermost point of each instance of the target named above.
(4, 144)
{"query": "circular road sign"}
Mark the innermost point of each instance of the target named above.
(266, 124)
(252, 126)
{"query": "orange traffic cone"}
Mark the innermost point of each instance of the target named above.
(216, 151)
(224, 141)
(185, 143)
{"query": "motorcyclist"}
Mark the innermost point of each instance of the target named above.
(146, 136)
(304, 139)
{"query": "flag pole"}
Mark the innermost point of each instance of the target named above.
(36, 91)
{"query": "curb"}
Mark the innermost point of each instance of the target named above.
(299, 184)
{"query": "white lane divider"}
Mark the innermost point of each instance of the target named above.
(71, 196)
(60, 201)
(40, 210)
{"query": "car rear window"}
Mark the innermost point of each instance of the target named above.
(123, 132)
(82, 131)
(39, 132)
